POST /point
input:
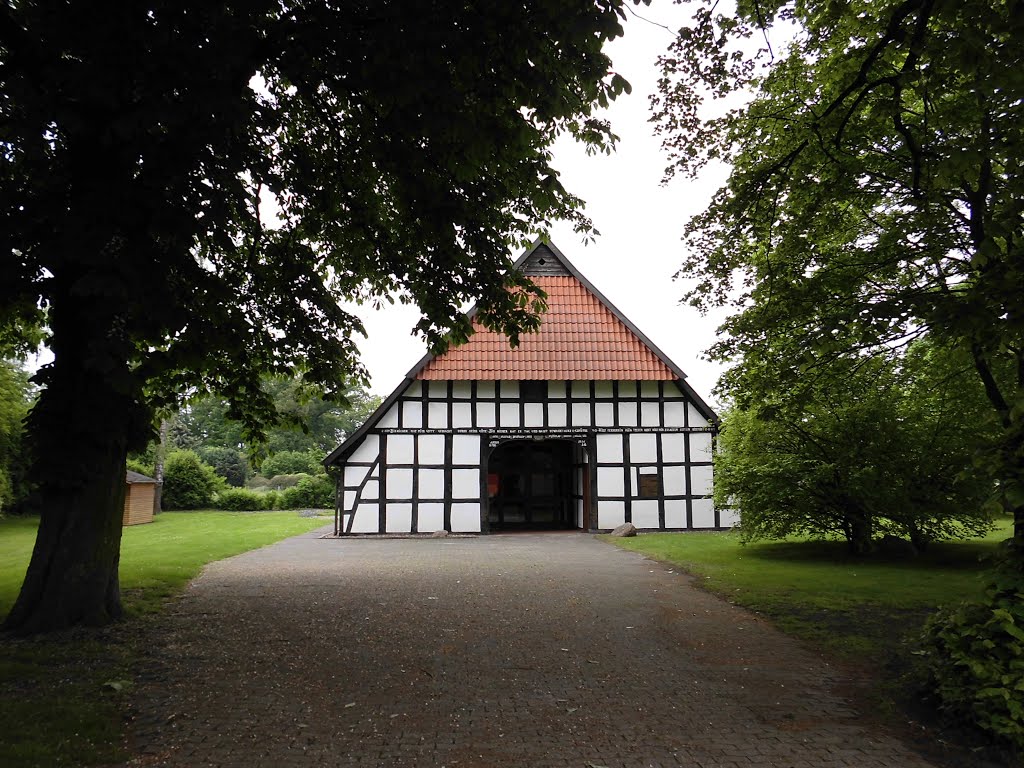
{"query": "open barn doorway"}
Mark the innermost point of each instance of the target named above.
(537, 485)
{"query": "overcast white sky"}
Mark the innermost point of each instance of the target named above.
(640, 221)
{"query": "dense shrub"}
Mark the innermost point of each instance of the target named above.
(257, 482)
(270, 500)
(974, 659)
(291, 463)
(280, 482)
(239, 500)
(229, 463)
(188, 482)
(310, 493)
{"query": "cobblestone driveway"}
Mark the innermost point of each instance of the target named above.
(518, 650)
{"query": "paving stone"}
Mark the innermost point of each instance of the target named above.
(538, 650)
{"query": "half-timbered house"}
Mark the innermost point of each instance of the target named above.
(586, 424)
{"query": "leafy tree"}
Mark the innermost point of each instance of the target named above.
(188, 482)
(15, 399)
(406, 156)
(875, 196)
(880, 449)
(228, 463)
(306, 419)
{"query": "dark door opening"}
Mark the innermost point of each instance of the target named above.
(532, 485)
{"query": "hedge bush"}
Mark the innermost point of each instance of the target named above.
(291, 463)
(188, 482)
(974, 659)
(286, 481)
(240, 500)
(309, 493)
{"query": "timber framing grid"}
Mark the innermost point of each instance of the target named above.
(585, 425)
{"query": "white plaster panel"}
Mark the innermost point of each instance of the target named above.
(370, 490)
(610, 481)
(645, 513)
(581, 414)
(603, 389)
(701, 480)
(415, 389)
(437, 415)
(431, 484)
(675, 414)
(510, 389)
(627, 389)
(581, 390)
(674, 481)
(465, 518)
(556, 390)
(466, 483)
(627, 413)
(390, 418)
(609, 447)
(509, 413)
(650, 415)
(728, 518)
(700, 446)
(604, 414)
(462, 415)
(398, 518)
(611, 514)
(485, 389)
(437, 390)
(412, 414)
(430, 518)
(643, 447)
(431, 449)
(461, 390)
(675, 513)
(349, 500)
(673, 446)
(534, 415)
(399, 484)
(696, 420)
(649, 389)
(556, 414)
(366, 520)
(400, 449)
(355, 475)
(485, 415)
(367, 450)
(579, 513)
(703, 513)
(466, 449)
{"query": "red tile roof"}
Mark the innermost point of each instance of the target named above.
(579, 339)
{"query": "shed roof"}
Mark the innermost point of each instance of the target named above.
(131, 477)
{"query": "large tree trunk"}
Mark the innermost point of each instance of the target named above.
(79, 432)
(72, 577)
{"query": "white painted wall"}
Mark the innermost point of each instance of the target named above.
(631, 410)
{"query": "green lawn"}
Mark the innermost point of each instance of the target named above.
(854, 607)
(62, 699)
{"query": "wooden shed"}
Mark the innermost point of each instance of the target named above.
(139, 497)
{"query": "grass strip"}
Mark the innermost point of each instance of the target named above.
(62, 697)
(856, 608)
